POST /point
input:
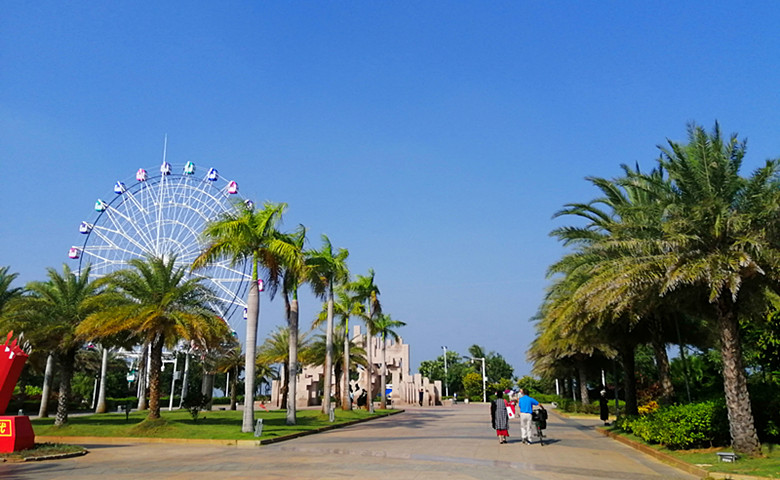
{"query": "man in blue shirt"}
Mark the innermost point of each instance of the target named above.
(526, 406)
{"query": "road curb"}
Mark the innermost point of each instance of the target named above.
(205, 441)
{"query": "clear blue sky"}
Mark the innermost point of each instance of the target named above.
(434, 140)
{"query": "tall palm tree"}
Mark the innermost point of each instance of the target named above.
(249, 235)
(294, 272)
(344, 307)
(631, 208)
(718, 252)
(328, 270)
(50, 315)
(161, 307)
(385, 326)
(366, 291)
(723, 249)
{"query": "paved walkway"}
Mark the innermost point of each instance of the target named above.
(453, 443)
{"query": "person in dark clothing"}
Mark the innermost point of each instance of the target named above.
(499, 417)
(604, 407)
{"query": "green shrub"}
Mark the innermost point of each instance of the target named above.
(681, 426)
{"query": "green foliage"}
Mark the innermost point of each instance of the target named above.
(681, 426)
(502, 385)
(472, 385)
(530, 385)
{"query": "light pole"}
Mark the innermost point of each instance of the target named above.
(484, 391)
(446, 383)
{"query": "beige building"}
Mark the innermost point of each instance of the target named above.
(406, 388)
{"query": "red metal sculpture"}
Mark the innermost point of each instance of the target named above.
(16, 431)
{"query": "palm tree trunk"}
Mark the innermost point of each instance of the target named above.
(583, 383)
(155, 364)
(741, 423)
(43, 412)
(627, 354)
(233, 385)
(661, 361)
(143, 365)
(252, 317)
(370, 370)
(337, 375)
(285, 385)
(328, 372)
(101, 404)
(66, 361)
(383, 384)
(345, 403)
(293, 371)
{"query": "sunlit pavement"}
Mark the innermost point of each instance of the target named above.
(423, 443)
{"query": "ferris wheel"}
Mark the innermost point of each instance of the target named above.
(163, 215)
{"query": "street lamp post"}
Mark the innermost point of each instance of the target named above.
(484, 389)
(446, 383)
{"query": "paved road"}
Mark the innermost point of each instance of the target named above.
(453, 443)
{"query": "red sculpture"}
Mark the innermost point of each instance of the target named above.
(16, 431)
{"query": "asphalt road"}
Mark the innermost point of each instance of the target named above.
(453, 443)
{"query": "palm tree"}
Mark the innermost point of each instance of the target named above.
(161, 307)
(50, 315)
(384, 325)
(330, 270)
(276, 349)
(315, 355)
(232, 362)
(722, 249)
(366, 291)
(345, 306)
(7, 294)
(294, 271)
(248, 235)
(717, 252)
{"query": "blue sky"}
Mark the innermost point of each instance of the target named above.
(434, 140)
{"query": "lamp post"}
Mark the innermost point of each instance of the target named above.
(446, 383)
(484, 390)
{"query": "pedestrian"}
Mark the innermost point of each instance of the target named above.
(499, 417)
(604, 407)
(422, 394)
(526, 404)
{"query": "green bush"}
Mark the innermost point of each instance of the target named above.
(681, 426)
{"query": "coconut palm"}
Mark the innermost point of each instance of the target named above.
(161, 307)
(385, 325)
(365, 290)
(50, 315)
(328, 270)
(249, 235)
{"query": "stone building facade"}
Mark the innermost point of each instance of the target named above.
(406, 388)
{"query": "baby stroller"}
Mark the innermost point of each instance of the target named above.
(539, 417)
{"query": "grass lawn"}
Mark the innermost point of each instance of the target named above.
(42, 450)
(707, 458)
(215, 424)
(768, 466)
